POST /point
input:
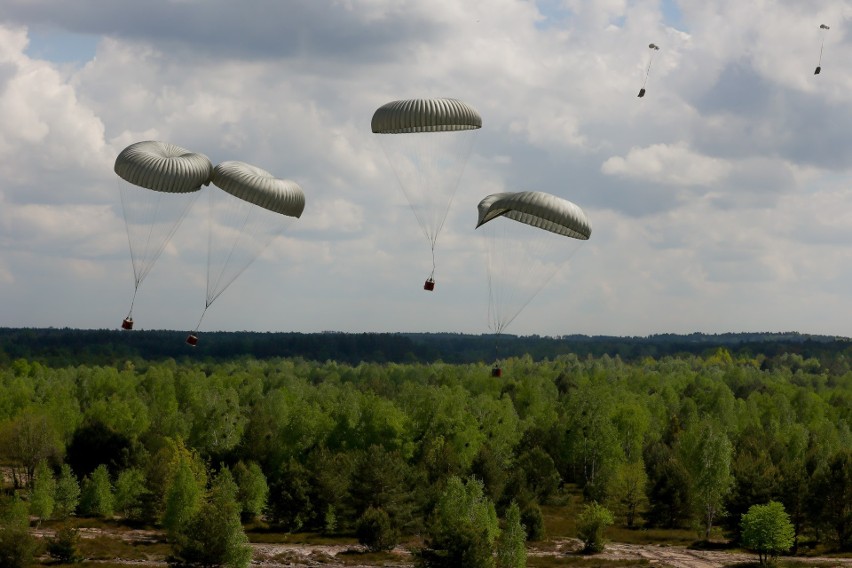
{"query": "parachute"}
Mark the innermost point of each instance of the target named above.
(428, 142)
(529, 236)
(164, 182)
(822, 45)
(252, 208)
(654, 49)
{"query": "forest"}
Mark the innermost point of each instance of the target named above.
(367, 435)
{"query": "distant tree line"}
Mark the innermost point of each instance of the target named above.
(383, 450)
(59, 347)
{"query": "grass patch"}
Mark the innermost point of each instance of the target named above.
(270, 537)
(584, 561)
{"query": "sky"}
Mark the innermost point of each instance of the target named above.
(719, 202)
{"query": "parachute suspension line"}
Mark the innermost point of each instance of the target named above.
(198, 325)
(821, 46)
(648, 70)
(432, 274)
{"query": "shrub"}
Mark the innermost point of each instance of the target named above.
(376, 531)
(63, 546)
(591, 526)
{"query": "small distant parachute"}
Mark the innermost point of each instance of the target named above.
(164, 180)
(248, 208)
(428, 143)
(654, 49)
(822, 45)
(529, 236)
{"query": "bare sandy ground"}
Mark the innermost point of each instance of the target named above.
(326, 556)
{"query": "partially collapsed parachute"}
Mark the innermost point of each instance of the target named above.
(252, 208)
(428, 142)
(822, 28)
(654, 49)
(163, 183)
(530, 235)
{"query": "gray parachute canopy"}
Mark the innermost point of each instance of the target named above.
(257, 186)
(537, 209)
(161, 166)
(425, 115)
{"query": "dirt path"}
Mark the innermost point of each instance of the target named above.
(326, 556)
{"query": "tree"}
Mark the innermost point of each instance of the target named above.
(767, 530)
(511, 546)
(96, 498)
(706, 453)
(833, 486)
(17, 545)
(130, 493)
(627, 490)
(67, 492)
(214, 537)
(591, 526)
(28, 439)
(253, 491)
(183, 499)
(42, 496)
(463, 527)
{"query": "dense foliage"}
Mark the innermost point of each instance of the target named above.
(688, 440)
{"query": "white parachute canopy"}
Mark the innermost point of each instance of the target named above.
(164, 180)
(529, 236)
(248, 208)
(428, 143)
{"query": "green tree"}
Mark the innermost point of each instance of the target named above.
(67, 492)
(253, 491)
(511, 546)
(183, 497)
(591, 526)
(215, 536)
(767, 530)
(627, 490)
(130, 493)
(706, 453)
(43, 494)
(463, 527)
(17, 545)
(96, 498)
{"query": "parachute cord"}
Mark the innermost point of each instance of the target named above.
(432, 275)
(133, 300)
(201, 318)
(648, 71)
(822, 45)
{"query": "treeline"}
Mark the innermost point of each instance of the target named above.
(59, 347)
(677, 442)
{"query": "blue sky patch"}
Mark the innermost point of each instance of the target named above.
(61, 46)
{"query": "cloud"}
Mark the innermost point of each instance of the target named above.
(717, 199)
(668, 164)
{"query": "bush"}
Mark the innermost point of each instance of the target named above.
(63, 546)
(533, 520)
(591, 526)
(375, 530)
